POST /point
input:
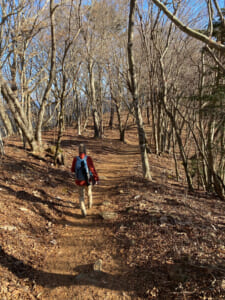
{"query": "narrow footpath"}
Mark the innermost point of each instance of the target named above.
(85, 262)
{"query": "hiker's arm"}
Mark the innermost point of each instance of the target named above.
(73, 164)
(92, 168)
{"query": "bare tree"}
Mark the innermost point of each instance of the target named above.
(209, 135)
(134, 92)
(62, 79)
(19, 41)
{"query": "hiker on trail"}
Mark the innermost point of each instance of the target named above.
(86, 176)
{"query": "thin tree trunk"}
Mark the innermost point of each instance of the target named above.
(5, 119)
(78, 116)
(111, 115)
(174, 155)
(61, 120)
(148, 112)
(95, 116)
(51, 76)
(112, 106)
(122, 128)
(153, 99)
(100, 104)
(173, 121)
(134, 92)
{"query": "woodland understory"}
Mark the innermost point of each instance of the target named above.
(69, 61)
(137, 79)
(156, 240)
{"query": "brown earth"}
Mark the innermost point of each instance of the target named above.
(161, 242)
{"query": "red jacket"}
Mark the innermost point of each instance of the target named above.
(90, 166)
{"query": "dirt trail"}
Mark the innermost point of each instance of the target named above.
(163, 242)
(82, 241)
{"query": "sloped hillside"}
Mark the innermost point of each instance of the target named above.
(141, 240)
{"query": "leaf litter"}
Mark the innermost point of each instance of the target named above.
(164, 242)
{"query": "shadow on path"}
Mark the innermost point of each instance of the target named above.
(178, 272)
(51, 280)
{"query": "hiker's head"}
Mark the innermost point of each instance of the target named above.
(82, 149)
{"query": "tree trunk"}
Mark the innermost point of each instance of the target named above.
(174, 155)
(61, 120)
(100, 104)
(112, 106)
(154, 132)
(78, 111)
(5, 119)
(95, 116)
(148, 112)
(111, 115)
(122, 128)
(78, 117)
(19, 115)
(51, 76)
(174, 125)
(134, 92)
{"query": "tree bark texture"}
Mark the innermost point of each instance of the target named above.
(97, 131)
(173, 121)
(51, 75)
(5, 119)
(134, 92)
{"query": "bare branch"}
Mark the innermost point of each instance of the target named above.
(215, 58)
(210, 12)
(219, 13)
(193, 33)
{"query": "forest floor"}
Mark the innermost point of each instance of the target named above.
(141, 240)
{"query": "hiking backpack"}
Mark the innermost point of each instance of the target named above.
(82, 171)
